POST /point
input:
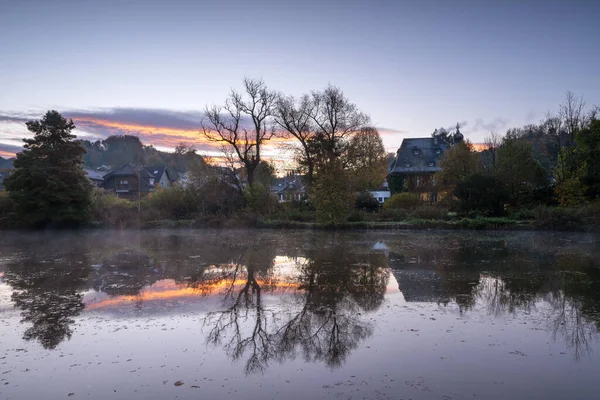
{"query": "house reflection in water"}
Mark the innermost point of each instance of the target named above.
(305, 295)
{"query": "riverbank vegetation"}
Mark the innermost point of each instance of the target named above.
(544, 176)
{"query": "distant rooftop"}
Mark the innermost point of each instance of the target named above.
(417, 155)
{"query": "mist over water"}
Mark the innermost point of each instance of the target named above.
(299, 314)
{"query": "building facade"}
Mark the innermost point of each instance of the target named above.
(415, 165)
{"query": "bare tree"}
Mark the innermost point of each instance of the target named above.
(554, 128)
(294, 117)
(492, 142)
(228, 124)
(572, 113)
(335, 119)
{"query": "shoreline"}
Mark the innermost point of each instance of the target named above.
(465, 224)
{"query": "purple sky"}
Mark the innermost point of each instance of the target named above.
(412, 65)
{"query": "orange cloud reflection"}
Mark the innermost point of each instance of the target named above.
(168, 289)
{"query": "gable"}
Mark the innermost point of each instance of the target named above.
(125, 170)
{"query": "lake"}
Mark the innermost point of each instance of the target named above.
(255, 314)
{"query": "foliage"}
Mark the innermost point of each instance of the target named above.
(577, 218)
(403, 200)
(365, 201)
(366, 159)
(396, 183)
(111, 211)
(6, 209)
(48, 185)
(301, 211)
(430, 212)
(457, 164)
(332, 195)
(570, 192)
(172, 203)
(518, 170)
(264, 174)
(481, 193)
(259, 199)
(588, 144)
(356, 216)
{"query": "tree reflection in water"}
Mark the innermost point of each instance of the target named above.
(313, 308)
(525, 276)
(321, 319)
(49, 295)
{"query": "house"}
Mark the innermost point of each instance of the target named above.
(96, 177)
(382, 193)
(164, 178)
(416, 162)
(289, 188)
(130, 181)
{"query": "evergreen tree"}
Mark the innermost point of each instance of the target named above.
(49, 186)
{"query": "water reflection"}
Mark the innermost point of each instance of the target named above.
(321, 319)
(511, 278)
(302, 295)
(49, 294)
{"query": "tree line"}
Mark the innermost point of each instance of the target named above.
(337, 153)
(555, 162)
(336, 150)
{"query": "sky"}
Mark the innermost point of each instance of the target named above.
(150, 67)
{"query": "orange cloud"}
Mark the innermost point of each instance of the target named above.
(480, 146)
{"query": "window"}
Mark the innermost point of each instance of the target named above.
(431, 163)
(418, 180)
(122, 185)
(380, 199)
(438, 151)
(151, 181)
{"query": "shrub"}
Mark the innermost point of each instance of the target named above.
(524, 214)
(171, 203)
(557, 218)
(111, 211)
(259, 199)
(6, 209)
(570, 192)
(483, 194)
(294, 211)
(584, 217)
(430, 212)
(356, 216)
(366, 202)
(393, 214)
(404, 200)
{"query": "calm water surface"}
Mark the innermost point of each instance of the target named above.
(299, 315)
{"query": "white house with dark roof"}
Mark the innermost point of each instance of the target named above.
(382, 193)
(163, 177)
